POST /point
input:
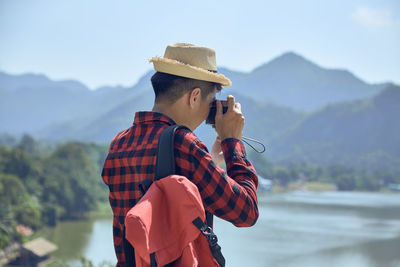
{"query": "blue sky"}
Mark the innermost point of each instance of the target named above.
(110, 42)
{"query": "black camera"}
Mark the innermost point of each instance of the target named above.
(213, 111)
(211, 120)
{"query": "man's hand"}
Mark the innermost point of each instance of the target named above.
(216, 152)
(230, 124)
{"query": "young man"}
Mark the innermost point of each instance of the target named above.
(185, 84)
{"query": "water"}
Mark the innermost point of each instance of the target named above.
(294, 229)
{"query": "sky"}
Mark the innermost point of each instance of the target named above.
(109, 43)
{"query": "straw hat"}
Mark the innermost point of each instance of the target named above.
(190, 61)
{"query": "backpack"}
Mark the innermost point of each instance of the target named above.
(167, 226)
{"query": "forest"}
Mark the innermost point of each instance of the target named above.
(42, 184)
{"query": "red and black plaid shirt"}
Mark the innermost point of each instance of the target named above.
(132, 158)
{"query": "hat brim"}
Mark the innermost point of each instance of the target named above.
(178, 68)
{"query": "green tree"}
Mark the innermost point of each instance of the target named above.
(23, 165)
(368, 181)
(282, 175)
(262, 166)
(71, 180)
(17, 202)
(345, 182)
(27, 144)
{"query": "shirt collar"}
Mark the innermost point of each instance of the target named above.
(150, 116)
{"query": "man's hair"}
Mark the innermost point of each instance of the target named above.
(169, 88)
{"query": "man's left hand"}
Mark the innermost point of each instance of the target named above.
(216, 152)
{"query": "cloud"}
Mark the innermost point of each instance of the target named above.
(373, 18)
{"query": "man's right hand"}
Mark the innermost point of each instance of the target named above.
(230, 124)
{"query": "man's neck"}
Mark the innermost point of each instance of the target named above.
(172, 111)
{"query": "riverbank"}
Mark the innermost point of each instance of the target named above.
(319, 187)
(294, 229)
(73, 236)
(14, 250)
(305, 187)
(102, 211)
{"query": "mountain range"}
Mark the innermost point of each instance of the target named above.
(293, 81)
(363, 133)
(297, 108)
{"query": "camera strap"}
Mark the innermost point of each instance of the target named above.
(255, 141)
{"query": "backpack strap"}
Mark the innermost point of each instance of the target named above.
(209, 219)
(129, 252)
(165, 164)
(212, 240)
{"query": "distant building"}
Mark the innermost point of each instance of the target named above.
(35, 253)
(9, 253)
(394, 187)
(264, 184)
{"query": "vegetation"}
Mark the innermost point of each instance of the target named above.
(42, 186)
(364, 134)
(344, 177)
(83, 263)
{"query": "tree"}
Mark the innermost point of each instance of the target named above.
(345, 182)
(18, 202)
(262, 166)
(282, 175)
(71, 180)
(27, 144)
(368, 181)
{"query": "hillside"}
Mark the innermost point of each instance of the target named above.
(347, 120)
(293, 81)
(33, 103)
(274, 120)
(30, 103)
(364, 133)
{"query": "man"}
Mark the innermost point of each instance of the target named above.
(185, 84)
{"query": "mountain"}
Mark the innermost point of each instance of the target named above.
(293, 81)
(30, 81)
(275, 98)
(29, 102)
(32, 103)
(365, 133)
(101, 129)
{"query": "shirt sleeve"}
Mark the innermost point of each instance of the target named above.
(229, 195)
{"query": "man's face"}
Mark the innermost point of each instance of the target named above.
(204, 108)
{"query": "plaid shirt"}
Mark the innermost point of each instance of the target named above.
(132, 158)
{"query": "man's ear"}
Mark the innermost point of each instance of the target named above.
(194, 97)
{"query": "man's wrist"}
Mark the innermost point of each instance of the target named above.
(228, 139)
(233, 149)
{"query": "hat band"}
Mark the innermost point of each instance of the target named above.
(214, 71)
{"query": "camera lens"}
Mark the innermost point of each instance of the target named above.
(213, 111)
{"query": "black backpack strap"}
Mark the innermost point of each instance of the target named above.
(153, 262)
(165, 164)
(129, 252)
(209, 219)
(212, 240)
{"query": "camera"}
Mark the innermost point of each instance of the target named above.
(213, 111)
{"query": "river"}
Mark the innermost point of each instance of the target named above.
(346, 229)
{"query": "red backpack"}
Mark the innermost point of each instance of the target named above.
(167, 227)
